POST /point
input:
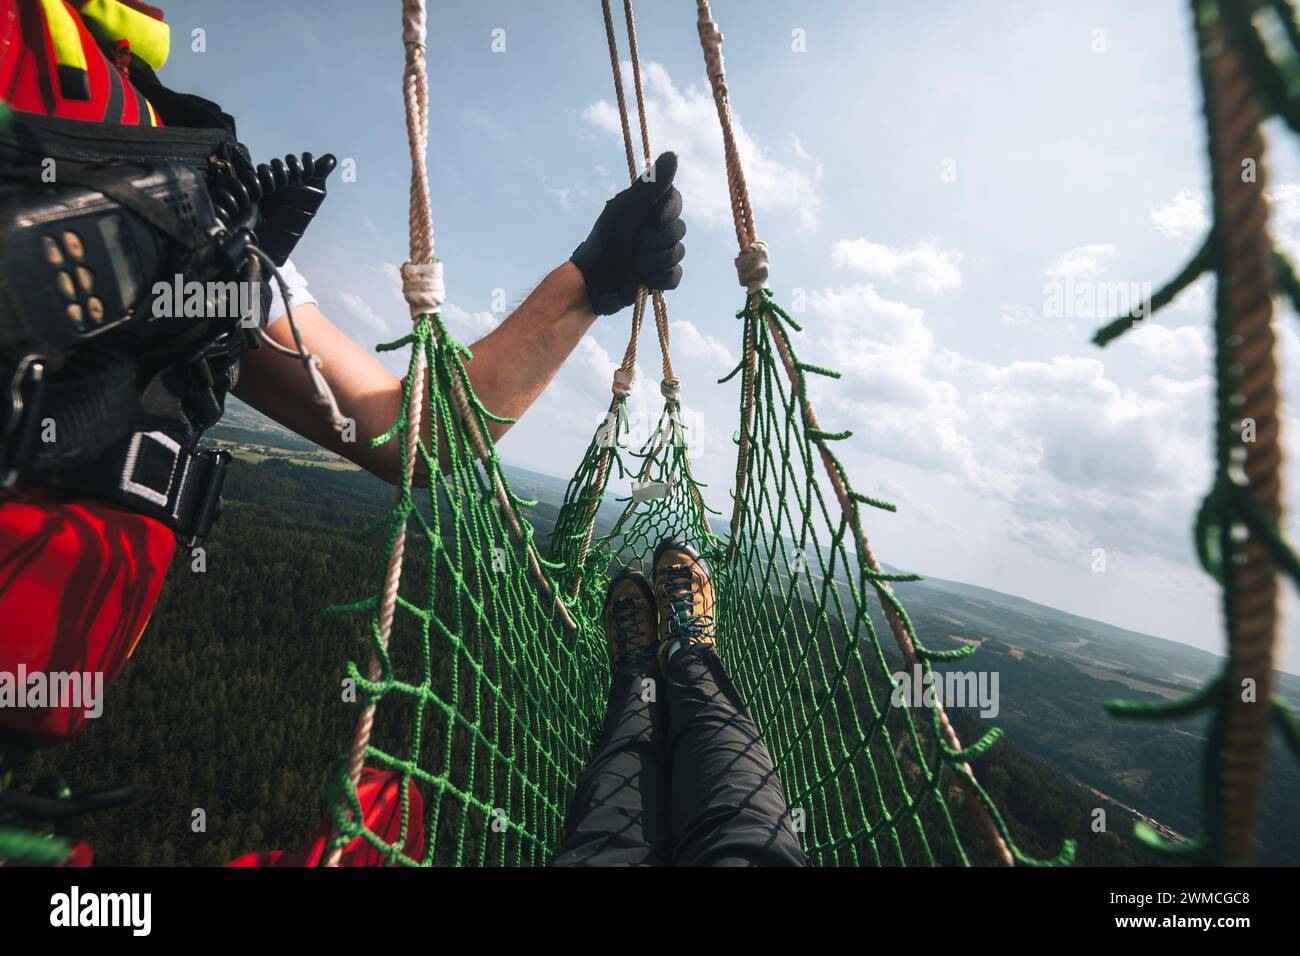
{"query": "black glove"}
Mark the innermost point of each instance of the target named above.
(292, 191)
(635, 242)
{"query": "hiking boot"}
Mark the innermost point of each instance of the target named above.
(630, 620)
(683, 591)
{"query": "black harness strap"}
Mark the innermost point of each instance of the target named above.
(151, 473)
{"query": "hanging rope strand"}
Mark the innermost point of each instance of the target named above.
(415, 90)
(660, 306)
(752, 265)
(622, 385)
(711, 41)
(1247, 392)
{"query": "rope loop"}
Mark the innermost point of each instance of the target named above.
(671, 389)
(422, 287)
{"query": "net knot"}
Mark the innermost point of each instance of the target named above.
(670, 389)
(623, 379)
(751, 266)
(422, 287)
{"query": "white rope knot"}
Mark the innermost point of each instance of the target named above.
(414, 32)
(623, 379)
(670, 389)
(711, 41)
(751, 266)
(422, 287)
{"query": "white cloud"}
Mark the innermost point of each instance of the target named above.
(357, 308)
(1186, 218)
(1082, 262)
(687, 122)
(689, 342)
(1196, 297)
(1286, 218)
(1073, 456)
(592, 191)
(1184, 350)
(1020, 316)
(931, 268)
(1183, 218)
(469, 327)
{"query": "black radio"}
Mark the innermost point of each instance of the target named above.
(80, 262)
(100, 330)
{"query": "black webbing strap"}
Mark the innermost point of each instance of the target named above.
(89, 411)
(111, 184)
(152, 473)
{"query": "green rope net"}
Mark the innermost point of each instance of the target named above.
(491, 686)
(489, 700)
(490, 703)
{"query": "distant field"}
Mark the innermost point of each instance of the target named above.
(1136, 683)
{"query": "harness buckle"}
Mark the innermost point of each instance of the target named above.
(149, 469)
(209, 503)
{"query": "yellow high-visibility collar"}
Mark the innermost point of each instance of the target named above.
(112, 20)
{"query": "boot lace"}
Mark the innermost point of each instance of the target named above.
(684, 593)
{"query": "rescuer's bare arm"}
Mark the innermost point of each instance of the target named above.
(511, 366)
(635, 243)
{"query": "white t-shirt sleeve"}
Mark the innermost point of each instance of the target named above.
(299, 294)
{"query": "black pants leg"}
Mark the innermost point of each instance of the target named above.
(619, 815)
(728, 807)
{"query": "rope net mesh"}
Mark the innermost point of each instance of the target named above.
(489, 700)
(491, 663)
(491, 703)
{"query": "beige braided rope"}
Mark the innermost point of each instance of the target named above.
(742, 213)
(711, 42)
(1245, 256)
(622, 376)
(415, 90)
(661, 308)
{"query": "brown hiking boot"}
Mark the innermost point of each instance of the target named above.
(684, 596)
(630, 620)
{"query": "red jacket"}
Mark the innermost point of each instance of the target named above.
(78, 577)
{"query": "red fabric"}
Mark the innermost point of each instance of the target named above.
(81, 855)
(29, 81)
(78, 578)
(78, 581)
(380, 795)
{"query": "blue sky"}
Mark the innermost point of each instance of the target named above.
(927, 175)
